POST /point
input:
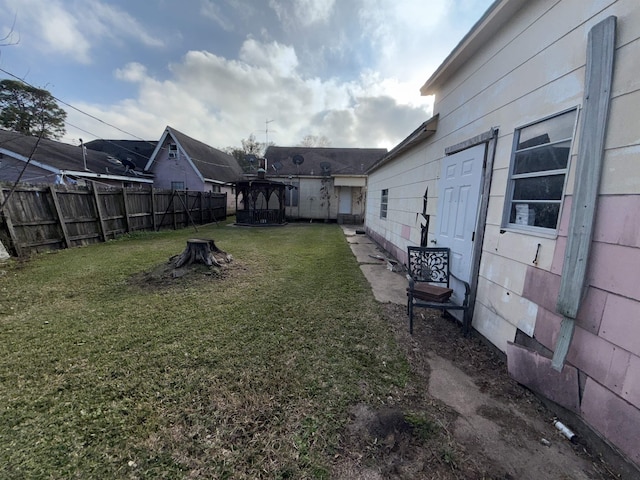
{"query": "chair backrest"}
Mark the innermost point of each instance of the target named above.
(429, 264)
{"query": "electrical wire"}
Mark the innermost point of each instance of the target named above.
(206, 162)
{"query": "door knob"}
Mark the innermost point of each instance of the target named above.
(434, 241)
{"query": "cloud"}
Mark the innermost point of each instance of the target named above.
(73, 28)
(221, 101)
(380, 53)
(213, 11)
(302, 12)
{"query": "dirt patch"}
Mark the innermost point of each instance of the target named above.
(507, 435)
(165, 275)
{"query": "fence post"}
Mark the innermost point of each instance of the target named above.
(12, 233)
(153, 209)
(173, 209)
(126, 209)
(96, 200)
(63, 225)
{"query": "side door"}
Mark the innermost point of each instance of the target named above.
(344, 200)
(458, 202)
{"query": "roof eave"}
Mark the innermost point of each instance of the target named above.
(424, 131)
(495, 17)
(80, 173)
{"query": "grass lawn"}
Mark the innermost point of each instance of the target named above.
(247, 375)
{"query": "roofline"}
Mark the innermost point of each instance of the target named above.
(424, 131)
(35, 163)
(80, 173)
(496, 15)
(168, 131)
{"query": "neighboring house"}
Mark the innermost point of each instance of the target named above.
(136, 152)
(180, 162)
(507, 175)
(330, 183)
(31, 160)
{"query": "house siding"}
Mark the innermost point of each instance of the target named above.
(533, 67)
(167, 170)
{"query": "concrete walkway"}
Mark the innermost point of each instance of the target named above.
(387, 285)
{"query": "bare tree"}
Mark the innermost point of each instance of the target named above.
(315, 141)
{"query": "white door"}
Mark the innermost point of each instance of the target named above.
(344, 202)
(458, 201)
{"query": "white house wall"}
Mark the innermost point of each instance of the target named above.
(534, 67)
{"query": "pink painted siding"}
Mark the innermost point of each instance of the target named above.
(406, 232)
(599, 359)
(542, 288)
(615, 268)
(613, 417)
(618, 220)
(621, 323)
(534, 370)
(631, 386)
(547, 328)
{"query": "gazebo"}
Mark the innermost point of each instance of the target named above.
(260, 202)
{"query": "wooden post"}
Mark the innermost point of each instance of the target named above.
(599, 73)
(173, 210)
(63, 225)
(153, 210)
(125, 199)
(96, 200)
(7, 219)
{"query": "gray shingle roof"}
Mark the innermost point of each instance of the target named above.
(212, 163)
(60, 156)
(138, 151)
(341, 161)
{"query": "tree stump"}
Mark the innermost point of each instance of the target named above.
(201, 251)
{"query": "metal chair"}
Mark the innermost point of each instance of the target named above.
(429, 276)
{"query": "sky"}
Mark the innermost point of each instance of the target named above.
(222, 70)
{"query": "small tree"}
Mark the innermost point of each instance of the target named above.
(30, 110)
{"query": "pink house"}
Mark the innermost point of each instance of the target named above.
(529, 171)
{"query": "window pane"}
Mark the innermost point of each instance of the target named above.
(550, 157)
(551, 130)
(539, 188)
(543, 215)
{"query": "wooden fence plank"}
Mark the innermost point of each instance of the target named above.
(96, 199)
(72, 217)
(63, 225)
(7, 218)
(126, 210)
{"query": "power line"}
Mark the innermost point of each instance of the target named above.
(74, 108)
(110, 125)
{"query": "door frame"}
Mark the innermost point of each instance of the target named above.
(490, 138)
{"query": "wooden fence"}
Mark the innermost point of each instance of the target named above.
(39, 218)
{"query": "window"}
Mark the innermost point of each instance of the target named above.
(539, 166)
(177, 185)
(173, 150)
(384, 200)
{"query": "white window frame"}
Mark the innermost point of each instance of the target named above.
(173, 150)
(384, 202)
(507, 222)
